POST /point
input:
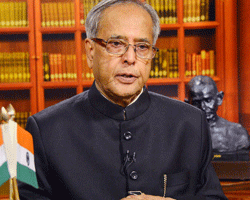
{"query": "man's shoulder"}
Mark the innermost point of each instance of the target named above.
(65, 106)
(172, 103)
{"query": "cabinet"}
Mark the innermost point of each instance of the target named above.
(18, 57)
(64, 37)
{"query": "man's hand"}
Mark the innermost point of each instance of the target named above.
(145, 197)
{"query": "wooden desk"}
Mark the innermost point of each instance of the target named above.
(236, 190)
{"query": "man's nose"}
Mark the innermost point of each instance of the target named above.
(130, 55)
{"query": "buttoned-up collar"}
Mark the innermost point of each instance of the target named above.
(106, 107)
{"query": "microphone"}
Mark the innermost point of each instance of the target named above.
(127, 162)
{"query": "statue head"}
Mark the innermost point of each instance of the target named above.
(203, 93)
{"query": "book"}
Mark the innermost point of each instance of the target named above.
(212, 60)
(82, 13)
(203, 62)
(43, 23)
(46, 67)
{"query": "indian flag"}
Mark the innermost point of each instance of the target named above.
(4, 172)
(17, 149)
(26, 171)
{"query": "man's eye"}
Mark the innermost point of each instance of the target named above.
(116, 43)
(142, 46)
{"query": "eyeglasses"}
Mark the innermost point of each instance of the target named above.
(119, 47)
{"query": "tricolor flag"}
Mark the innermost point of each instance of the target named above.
(19, 152)
(4, 172)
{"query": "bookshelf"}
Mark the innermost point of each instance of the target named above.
(63, 40)
(17, 55)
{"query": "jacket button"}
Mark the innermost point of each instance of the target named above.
(133, 175)
(127, 135)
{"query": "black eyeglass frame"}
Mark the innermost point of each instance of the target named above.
(104, 43)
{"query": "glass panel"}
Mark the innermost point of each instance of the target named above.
(200, 52)
(20, 100)
(14, 13)
(57, 13)
(85, 7)
(59, 58)
(165, 63)
(14, 58)
(166, 9)
(198, 10)
(167, 90)
(53, 96)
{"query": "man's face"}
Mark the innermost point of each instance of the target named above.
(122, 77)
(205, 98)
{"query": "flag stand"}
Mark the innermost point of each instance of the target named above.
(14, 194)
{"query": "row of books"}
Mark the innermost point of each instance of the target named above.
(202, 63)
(58, 14)
(62, 67)
(166, 9)
(195, 10)
(14, 67)
(85, 7)
(59, 67)
(21, 118)
(165, 64)
(13, 14)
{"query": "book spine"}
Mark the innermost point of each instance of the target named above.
(203, 62)
(171, 67)
(212, 61)
(55, 64)
(207, 10)
(81, 13)
(64, 70)
(47, 14)
(156, 66)
(189, 10)
(59, 64)
(170, 7)
(160, 63)
(72, 13)
(68, 11)
(174, 11)
(198, 64)
(175, 63)
(166, 13)
(55, 13)
(43, 23)
(46, 68)
(198, 10)
(203, 10)
(194, 72)
(207, 64)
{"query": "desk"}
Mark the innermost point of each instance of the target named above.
(236, 190)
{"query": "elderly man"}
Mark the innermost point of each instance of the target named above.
(226, 136)
(117, 140)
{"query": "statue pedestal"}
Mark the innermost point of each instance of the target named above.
(232, 165)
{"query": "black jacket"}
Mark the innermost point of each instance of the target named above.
(91, 149)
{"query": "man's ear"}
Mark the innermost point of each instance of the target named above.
(220, 96)
(89, 47)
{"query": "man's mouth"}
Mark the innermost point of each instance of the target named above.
(126, 78)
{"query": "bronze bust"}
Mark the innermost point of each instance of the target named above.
(226, 136)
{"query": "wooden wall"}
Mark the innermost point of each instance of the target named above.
(244, 62)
